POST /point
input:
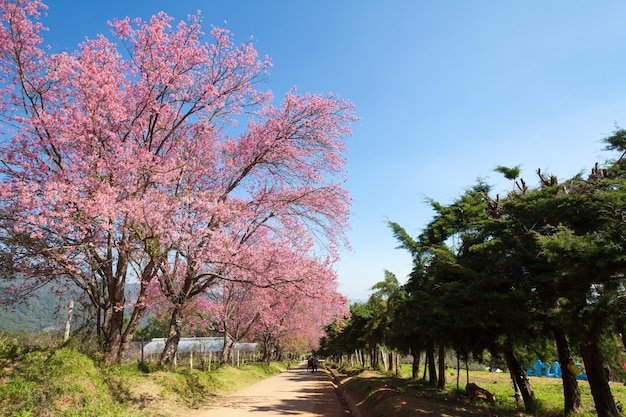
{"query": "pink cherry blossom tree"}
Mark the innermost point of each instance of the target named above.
(303, 310)
(274, 184)
(303, 302)
(116, 164)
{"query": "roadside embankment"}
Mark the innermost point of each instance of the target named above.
(344, 395)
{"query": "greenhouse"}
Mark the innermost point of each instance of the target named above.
(198, 345)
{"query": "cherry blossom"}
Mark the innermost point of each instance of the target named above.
(118, 164)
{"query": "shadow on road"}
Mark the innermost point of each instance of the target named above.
(320, 399)
(296, 392)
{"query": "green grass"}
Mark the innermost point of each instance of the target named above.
(191, 387)
(41, 379)
(47, 380)
(548, 391)
(231, 379)
(60, 381)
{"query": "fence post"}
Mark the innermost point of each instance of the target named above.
(69, 320)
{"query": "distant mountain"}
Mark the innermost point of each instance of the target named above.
(44, 311)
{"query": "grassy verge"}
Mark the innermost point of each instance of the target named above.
(390, 396)
(60, 381)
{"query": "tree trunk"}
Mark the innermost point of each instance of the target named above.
(598, 382)
(139, 312)
(113, 337)
(133, 323)
(383, 358)
(390, 361)
(374, 357)
(441, 382)
(415, 367)
(458, 370)
(572, 400)
(227, 350)
(118, 338)
(139, 308)
(173, 337)
(517, 393)
(268, 348)
(432, 367)
(396, 362)
(112, 301)
(114, 321)
(520, 378)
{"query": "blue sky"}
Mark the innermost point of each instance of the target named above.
(446, 91)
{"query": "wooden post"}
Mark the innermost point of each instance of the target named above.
(69, 320)
(396, 354)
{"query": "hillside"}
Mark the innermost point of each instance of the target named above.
(44, 311)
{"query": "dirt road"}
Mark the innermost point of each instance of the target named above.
(296, 393)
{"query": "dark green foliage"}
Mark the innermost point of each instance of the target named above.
(152, 329)
(509, 173)
(522, 276)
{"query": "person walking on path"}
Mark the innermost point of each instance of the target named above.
(289, 393)
(314, 364)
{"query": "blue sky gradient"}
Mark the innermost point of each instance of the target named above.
(446, 91)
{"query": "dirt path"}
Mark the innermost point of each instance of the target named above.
(294, 393)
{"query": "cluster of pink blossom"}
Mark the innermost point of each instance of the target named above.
(116, 165)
